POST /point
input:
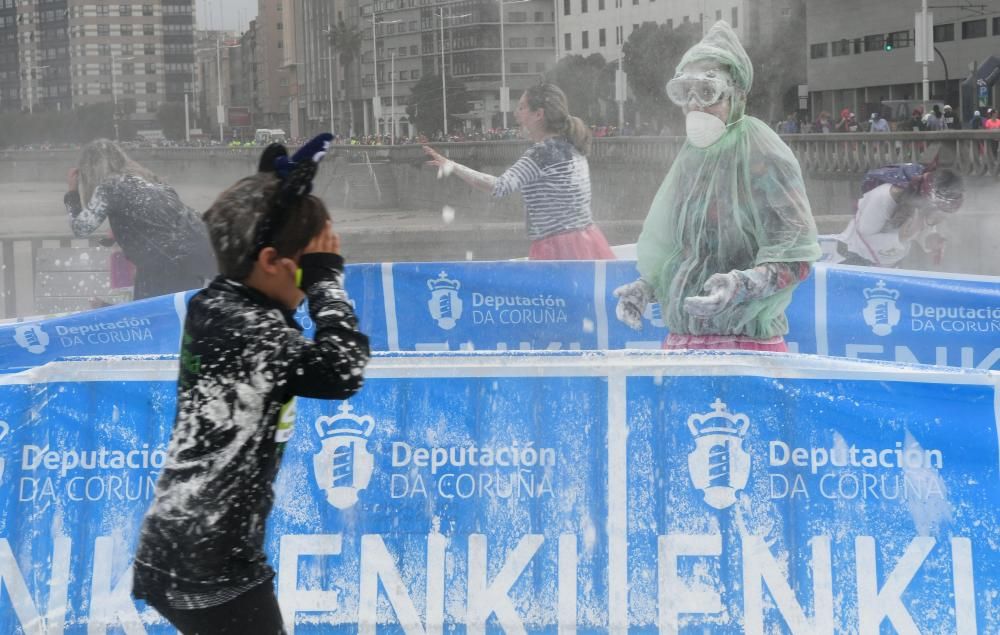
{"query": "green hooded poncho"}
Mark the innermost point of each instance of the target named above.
(734, 205)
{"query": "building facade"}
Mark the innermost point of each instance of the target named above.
(849, 66)
(60, 54)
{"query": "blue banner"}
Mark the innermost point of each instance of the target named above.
(543, 493)
(908, 317)
(841, 311)
(503, 306)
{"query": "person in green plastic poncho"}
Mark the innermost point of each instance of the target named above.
(730, 233)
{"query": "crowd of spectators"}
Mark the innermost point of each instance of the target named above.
(935, 119)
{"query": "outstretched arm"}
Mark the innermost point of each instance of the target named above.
(445, 166)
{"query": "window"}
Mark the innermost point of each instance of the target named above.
(147, 29)
(858, 45)
(602, 37)
(125, 29)
(102, 9)
(517, 16)
(150, 88)
(618, 35)
(150, 68)
(974, 29)
(539, 42)
(124, 9)
(414, 49)
(718, 14)
(874, 42)
(128, 88)
(539, 16)
(128, 68)
(414, 74)
(147, 10)
(568, 41)
(517, 42)
(104, 68)
(519, 67)
(103, 30)
(686, 19)
(840, 47)
(670, 23)
(944, 32)
(735, 22)
(996, 26)
(104, 49)
(817, 51)
(583, 6)
(585, 40)
(105, 88)
(281, 26)
(126, 49)
(901, 39)
(566, 9)
(404, 74)
(149, 49)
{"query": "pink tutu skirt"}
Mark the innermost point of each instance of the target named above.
(581, 244)
(676, 341)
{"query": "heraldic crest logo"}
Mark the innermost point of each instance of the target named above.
(718, 465)
(445, 304)
(343, 466)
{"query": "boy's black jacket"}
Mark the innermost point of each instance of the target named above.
(243, 358)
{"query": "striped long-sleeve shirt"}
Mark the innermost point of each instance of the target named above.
(554, 179)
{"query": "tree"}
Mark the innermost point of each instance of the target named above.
(424, 106)
(171, 119)
(346, 41)
(585, 82)
(650, 56)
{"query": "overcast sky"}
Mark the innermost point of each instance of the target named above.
(233, 15)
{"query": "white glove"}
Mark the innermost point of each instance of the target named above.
(632, 300)
(721, 290)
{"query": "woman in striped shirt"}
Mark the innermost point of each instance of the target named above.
(553, 177)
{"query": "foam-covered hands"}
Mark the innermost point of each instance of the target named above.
(632, 301)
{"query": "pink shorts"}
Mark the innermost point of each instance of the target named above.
(724, 342)
(581, 244)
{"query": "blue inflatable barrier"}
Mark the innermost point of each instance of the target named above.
(511, 489)
(543, 493)
(842, 311)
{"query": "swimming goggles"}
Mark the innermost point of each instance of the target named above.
(704, 89)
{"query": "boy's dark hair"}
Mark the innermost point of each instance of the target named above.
(235, 216)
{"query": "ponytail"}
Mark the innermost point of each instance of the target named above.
(578, 134)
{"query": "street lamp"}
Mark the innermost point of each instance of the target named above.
(114, 88)
(444, 88)
(376, 104)
(328, 32)
(31, 86)
(220, 112)
(504, 90)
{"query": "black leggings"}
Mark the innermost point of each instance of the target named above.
(253, 613)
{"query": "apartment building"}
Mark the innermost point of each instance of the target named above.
(60, 54)
(272, 82)
(403, 40)
(849, 66)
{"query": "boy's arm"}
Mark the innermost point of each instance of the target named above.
(331, 365)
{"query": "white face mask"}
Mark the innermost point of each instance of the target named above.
(703, 129)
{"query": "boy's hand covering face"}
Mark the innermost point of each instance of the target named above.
(326, 242)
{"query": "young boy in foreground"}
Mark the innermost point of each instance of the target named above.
(200, 561)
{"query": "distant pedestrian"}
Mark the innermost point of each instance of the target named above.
(976, 123)
(878, 123)
(166, 240)
(553, 177)
(934, 119)
(949, 121)
(790, 125)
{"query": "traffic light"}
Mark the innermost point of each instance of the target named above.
(889, 44)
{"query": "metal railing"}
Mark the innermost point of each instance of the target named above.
(972, 153)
